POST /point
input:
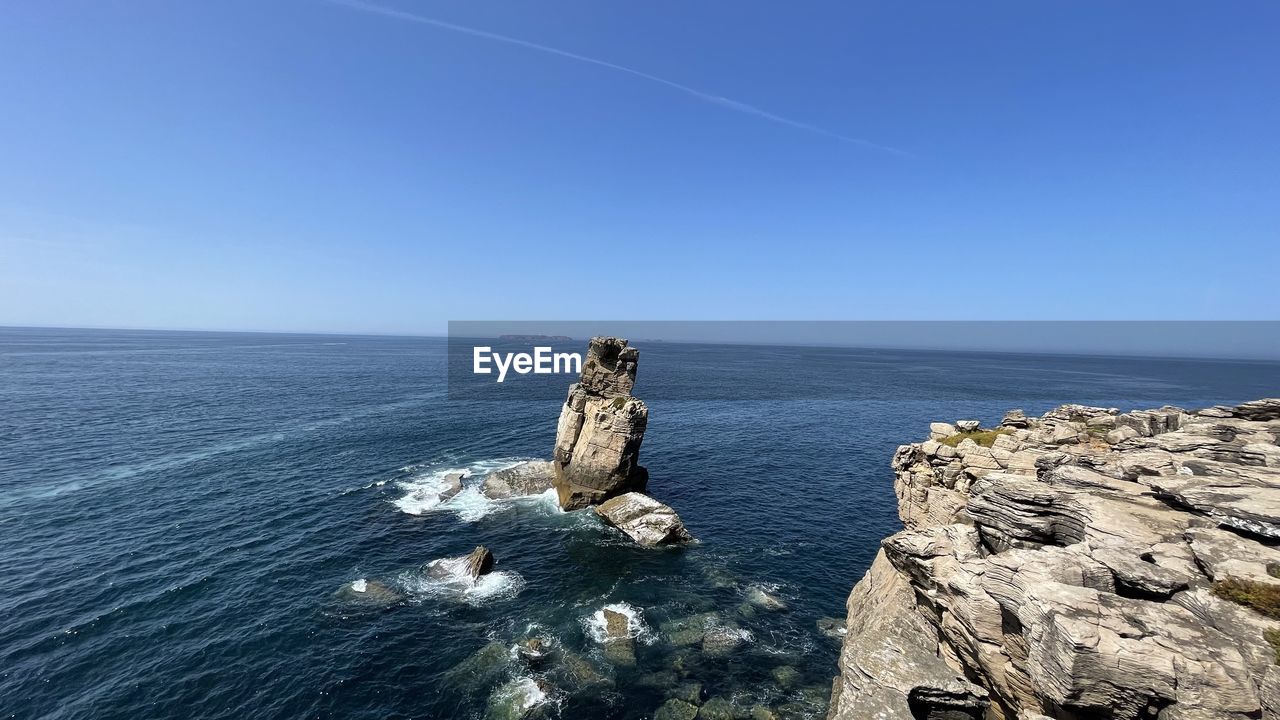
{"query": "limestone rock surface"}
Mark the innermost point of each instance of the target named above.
(528, 478)
(601, 426)
(1073, 570)
(644, 519)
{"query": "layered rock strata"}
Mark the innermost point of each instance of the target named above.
(643, 519)
(601, 426)
(1085, 564)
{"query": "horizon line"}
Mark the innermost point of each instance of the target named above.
(747, 343)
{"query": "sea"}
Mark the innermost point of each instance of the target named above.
(235, 525)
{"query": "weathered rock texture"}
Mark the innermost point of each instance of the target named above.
(528, 478)
(1068, 571)
(643, 519)
(601, 426)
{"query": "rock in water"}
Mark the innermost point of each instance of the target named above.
(616, 625)
(370, 592)
(516, 700)
(619, 646)
(760, 597)
(644, 519)
(676, 710)
(528, 478)
(467, 567)
(479, 562)
(1086, 564)
(452, 485)
(601, 427)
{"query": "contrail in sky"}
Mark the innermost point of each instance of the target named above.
(724, 102)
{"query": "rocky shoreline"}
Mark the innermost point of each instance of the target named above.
(1085, 564)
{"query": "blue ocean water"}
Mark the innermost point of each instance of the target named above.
(183, 516)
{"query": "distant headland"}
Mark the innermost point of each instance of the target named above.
(534, 338)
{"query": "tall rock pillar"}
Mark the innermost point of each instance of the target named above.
(601, 426)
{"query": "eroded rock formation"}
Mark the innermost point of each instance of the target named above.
(597, 449)
(1078, 565)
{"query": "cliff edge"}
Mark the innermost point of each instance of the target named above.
(1084, 564)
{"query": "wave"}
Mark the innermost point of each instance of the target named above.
(422, 492)
(458, 587)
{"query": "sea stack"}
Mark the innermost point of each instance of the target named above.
(601, 426)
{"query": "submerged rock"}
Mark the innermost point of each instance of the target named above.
(683, 632)
(619, 646)
(579, 673)
(833, 628)
(517, 699)
(468, 567)
(720, 640)
(644, 519)
(1085, 564)
(481, 668)
(676, 710)
(371, 592)
(760, 597)
(688, 692)
(717, 708)
(528, 478)
(601, 427)
(786, 676)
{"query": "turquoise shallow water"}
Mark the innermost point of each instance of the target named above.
(183, 515)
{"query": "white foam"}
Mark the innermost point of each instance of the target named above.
(597, 626)
(457, 586)
(360, 585)
(422, 491)
(524, 694)
(470, 505)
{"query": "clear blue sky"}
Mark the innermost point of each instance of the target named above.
(306, 165)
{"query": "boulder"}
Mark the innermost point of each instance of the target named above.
(528, 478)
(600, 430)
(761, 597)
(468, 567)
(968, 425)
(940, 430)
(644, 519)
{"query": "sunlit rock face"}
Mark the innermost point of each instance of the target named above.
(601, 426)
(643, 519)
(1085, 564)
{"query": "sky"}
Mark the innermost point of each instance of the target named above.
(313, 165)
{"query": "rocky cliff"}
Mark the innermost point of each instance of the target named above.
(597, 451)
(1085, 564)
